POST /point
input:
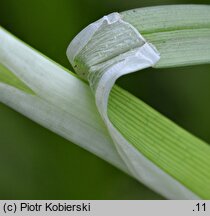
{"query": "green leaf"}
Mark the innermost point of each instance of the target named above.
(181, 33)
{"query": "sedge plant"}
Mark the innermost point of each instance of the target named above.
(59, 100)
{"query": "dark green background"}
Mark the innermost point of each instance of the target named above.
(37, 164)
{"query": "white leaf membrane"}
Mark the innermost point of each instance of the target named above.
(101, 53)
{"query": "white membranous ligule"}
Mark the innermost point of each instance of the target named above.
(101, 53)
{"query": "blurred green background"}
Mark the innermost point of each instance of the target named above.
(37, 164)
